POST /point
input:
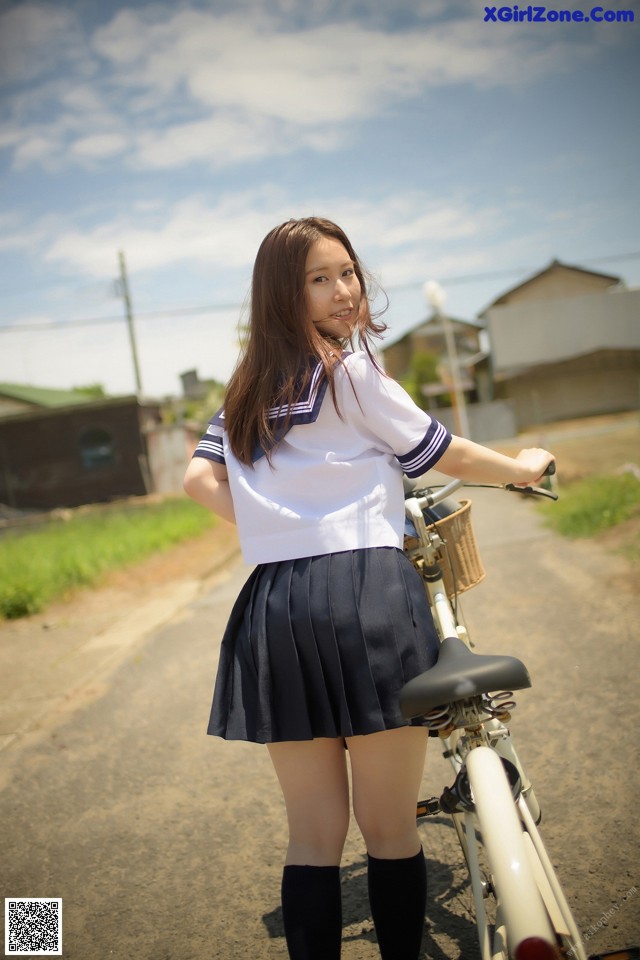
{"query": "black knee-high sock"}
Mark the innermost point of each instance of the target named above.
(312, 912)
(397, 895)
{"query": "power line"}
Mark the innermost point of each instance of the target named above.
(512, 271)
(220, 307)
(100, 321)
(94, 321)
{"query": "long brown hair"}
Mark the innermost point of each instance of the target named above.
(275, 364)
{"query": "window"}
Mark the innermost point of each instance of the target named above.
(97, 448)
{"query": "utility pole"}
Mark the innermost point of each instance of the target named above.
(436, 298)
(124, 291)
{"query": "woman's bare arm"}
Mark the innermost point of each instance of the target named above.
(207, 483)
(471, 461)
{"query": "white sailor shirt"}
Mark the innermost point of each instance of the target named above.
(335, 481)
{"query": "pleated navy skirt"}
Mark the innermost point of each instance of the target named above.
(321, 647)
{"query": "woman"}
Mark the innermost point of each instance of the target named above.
(307, 457)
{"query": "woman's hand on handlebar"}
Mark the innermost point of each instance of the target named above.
(475, 463)
(537, 463)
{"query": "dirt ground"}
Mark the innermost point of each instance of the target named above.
(586, 446)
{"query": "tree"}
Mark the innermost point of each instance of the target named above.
(94, 390)
(422, 370)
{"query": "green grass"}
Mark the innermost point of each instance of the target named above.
(40, 565)
(589, 506)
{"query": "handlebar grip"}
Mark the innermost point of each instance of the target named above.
(551, 469)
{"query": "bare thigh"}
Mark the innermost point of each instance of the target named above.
(314, 781)
(387, 770)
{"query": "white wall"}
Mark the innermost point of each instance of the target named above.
(545, 331)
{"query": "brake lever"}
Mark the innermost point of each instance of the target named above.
(538, 491)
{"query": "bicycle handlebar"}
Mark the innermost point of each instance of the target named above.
(431, 496)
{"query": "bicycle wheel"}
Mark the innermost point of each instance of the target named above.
(523, 918)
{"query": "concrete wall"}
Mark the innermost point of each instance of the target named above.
(603, 382)
(169, 449)
(487, 421)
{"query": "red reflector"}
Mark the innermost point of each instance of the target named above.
(534, 948)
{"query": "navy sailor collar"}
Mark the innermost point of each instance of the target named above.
(304, 410)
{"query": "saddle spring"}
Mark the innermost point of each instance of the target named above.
(438, 719)
(499, 705)
(496, 706)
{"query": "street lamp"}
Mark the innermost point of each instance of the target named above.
(436, 297)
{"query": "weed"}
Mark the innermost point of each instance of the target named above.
(40, 565)
(589, 506)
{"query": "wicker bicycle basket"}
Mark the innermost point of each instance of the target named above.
(459, 558)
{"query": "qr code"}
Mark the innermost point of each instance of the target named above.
(33, 927)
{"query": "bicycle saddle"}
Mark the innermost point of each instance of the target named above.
(460, 674)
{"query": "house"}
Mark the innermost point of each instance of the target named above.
(20, 398)
(483, 418)
(428, 336)
(64, 454)
(565, 343)
(554, 282)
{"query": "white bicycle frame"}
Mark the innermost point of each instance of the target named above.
(532, 917)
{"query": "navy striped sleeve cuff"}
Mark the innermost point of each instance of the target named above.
(211, 448)
(428, 451)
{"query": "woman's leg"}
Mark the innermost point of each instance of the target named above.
(314, 781)
(387, 769)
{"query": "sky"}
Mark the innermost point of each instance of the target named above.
(452, 144)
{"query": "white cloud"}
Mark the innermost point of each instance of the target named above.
(10, 137)
(332, 73)
(216, 141)
(15, 234)
(409, 229)
(66, 123)
(401, 235)
(405, 236)
(100, 145)
(167, 89)
(35, 148)
(82, 99)
(34, 38)
(225, 139)
(222, 235)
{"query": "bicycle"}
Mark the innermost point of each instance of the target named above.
(466, 699)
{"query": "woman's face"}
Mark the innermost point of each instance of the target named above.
(332, 289)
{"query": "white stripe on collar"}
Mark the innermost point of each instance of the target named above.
(304, 410)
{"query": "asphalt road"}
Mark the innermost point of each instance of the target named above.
(166, 844)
